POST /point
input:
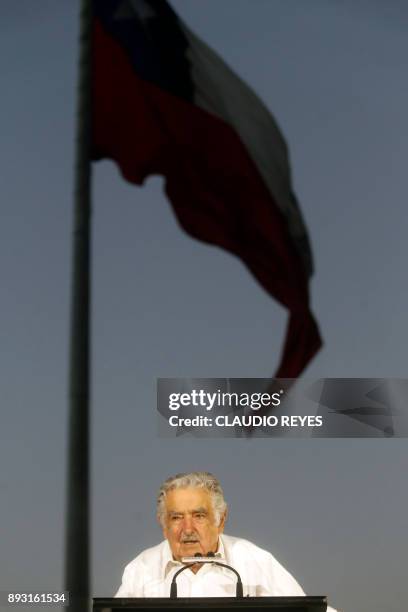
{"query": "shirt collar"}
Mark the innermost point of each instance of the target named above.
(168, 563)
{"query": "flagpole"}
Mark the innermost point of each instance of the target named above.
(77, 539)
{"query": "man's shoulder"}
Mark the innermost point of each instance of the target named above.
(149, 556)
(240, 546)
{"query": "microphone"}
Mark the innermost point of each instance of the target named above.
(209, 558)
(199, 558)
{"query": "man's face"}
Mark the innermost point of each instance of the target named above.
(189, 522)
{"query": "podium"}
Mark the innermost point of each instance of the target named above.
(211, 604)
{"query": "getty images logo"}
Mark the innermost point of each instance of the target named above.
(219, 399)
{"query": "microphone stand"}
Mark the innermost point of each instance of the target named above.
(239, 591)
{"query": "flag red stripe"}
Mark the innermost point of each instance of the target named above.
(213, 185)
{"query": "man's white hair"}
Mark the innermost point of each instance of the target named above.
(202, 480)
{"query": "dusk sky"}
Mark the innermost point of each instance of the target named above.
(333, 512)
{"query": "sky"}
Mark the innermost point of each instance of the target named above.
(333, 512)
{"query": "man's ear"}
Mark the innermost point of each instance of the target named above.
(222, 522)
(164, 530)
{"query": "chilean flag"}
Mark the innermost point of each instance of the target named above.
(164, 103)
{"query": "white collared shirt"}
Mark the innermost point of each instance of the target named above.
(151, 573)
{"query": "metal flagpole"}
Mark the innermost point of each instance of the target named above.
(77, 542)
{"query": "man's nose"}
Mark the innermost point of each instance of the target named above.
(187, 523)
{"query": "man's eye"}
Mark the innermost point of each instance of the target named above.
(200, 515)
(175, 518)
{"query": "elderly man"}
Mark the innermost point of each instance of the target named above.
(192, 512)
